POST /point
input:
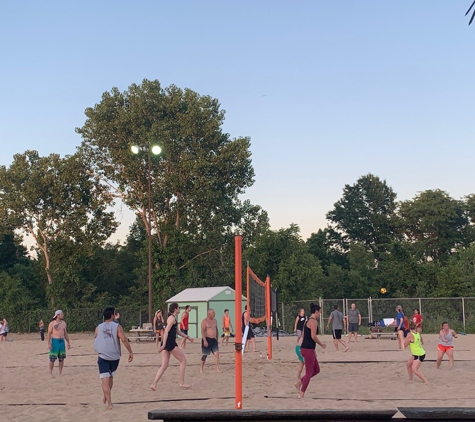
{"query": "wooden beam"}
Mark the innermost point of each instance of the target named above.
(209, 415)
(439, 413)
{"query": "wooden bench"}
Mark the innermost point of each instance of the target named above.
(141, 334)
(379, 335)
(271, 415)
(378, 332)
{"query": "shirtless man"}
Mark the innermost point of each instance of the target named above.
(209, 342)
(57, 333)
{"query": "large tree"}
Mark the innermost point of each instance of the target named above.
(196, 182)
(436, 224)
(55, 199)
(365, 214)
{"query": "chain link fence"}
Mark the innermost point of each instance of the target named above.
(458, 311)
(78, 320)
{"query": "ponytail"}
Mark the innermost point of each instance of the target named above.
(314, 308)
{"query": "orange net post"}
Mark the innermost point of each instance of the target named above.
(237, 312)
(268, 319)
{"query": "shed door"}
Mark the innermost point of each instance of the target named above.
(193, 327)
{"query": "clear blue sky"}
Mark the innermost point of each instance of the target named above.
(328, 90)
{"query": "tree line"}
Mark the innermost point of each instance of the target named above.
(424, 246)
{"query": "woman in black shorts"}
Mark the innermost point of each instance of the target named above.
(169, 347)
(158, 326)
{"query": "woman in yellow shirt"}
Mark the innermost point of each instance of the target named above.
(418, 354)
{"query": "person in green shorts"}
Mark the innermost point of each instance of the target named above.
(57, 335)
(418, 354)
(301, 359)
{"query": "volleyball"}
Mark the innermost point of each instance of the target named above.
(383, 290)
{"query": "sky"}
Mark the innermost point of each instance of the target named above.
(327, 90)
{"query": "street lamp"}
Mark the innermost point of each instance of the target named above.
(155, 150)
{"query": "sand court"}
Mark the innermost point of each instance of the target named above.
(371, 375)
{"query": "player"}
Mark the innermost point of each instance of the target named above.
(418, 354)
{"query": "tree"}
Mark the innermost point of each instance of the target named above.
(436, 223)
(283, 255)
(11, 250)
(15, 297)
(55, 199)
(458, 277)
(322, 246)
(365, 214)
(196, 182)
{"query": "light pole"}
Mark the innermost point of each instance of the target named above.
(155, 150)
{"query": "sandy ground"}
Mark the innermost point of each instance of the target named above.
(371, 375)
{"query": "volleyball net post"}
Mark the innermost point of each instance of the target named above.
(238, 312)
(268, 319)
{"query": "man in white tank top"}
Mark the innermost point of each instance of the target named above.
(107, 345)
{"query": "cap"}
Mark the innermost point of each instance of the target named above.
(58, 312)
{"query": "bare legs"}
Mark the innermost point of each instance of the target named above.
(179, 355)
(400, 338)
(450, 354)
(299, 371)
(336, 341)
(107, 384)
(351, 333)
(60, 366)
(216, 362)
(412, 366)
(183, 343)
(253, 342)
(440, 355)
(162, 369)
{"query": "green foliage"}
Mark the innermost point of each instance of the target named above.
(195, 183)
(458, 277)
(283, 255)
(15, 297)
(436, 223)
(365, 214)
(55, 199)
(322, 246)
(11, 250)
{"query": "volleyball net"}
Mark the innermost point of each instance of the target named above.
(259, 301)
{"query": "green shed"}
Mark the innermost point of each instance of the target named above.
(203, 298)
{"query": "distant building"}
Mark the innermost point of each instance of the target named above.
(203, 298)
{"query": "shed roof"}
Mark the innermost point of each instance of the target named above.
(199, 294)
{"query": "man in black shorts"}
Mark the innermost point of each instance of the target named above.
(337, 319)
(246, 322)
(106, 345)
(209, 342)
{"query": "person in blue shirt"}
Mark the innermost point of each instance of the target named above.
(400, 326)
